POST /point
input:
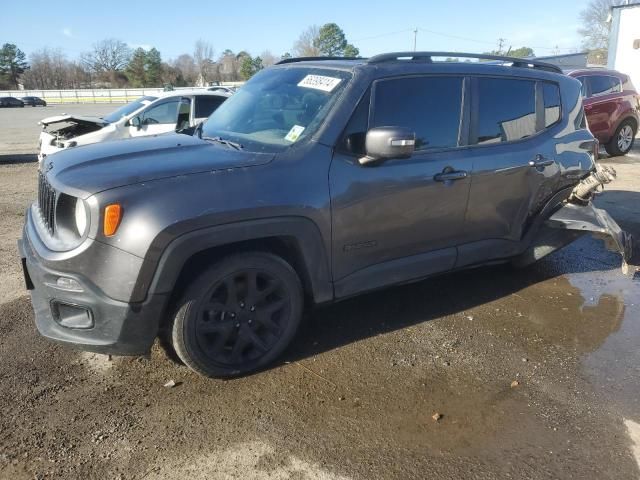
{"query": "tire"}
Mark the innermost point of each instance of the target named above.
(238, 315)
(622, 140)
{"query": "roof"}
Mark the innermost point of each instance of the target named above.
(423, 58)
(326, 62)
(594, 71)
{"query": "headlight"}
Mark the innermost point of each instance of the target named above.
(81, 217)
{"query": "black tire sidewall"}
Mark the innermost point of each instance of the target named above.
(612, 147)
(184, 337)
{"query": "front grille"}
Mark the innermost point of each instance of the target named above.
(46, 202)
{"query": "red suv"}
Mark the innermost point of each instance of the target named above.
(612, 106)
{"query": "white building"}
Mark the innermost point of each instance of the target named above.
(624, 41)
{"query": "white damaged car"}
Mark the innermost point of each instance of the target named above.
(149, 115)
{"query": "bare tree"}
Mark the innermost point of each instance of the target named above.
(109, 55)
(187, 66)
(595, 28)
(268, 58)
(228, 66)
(50, 69)
(79, 76)
(305, 46)
(203, 55)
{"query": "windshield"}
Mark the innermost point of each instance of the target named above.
(129, 108)
(277, 108)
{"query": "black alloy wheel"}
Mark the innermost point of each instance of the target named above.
(238, 316)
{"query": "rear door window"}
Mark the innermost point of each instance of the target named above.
(207, 104)
(430, 106)
(505, 110)
(603, 85)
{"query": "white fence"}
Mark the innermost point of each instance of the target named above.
(97, 95)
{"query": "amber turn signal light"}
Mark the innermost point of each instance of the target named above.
(112, 216)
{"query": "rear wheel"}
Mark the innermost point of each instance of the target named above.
(622, 140)
(238, 315)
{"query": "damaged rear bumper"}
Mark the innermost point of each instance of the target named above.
(572, 221)
(598, 222)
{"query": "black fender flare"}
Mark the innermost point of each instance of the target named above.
(162, 265)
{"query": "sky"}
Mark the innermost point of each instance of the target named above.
(255, 26)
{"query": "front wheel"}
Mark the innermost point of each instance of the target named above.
(622, 140)
(238, 315)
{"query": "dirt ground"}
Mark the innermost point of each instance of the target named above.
(531, 374)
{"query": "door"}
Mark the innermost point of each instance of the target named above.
(402, 218)
(514, 167)
(162, 117)
(602, 104)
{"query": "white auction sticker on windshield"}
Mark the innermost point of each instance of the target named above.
(294, 133)
(320, 82)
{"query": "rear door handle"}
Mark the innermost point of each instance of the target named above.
(450, 176)
(541, 161)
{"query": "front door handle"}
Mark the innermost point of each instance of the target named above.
(450, 176)
(541, 161)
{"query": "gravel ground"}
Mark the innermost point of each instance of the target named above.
(483, 374)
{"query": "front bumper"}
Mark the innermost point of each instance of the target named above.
(118, 328)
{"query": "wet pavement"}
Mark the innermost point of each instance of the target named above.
(483, 374)
(533, 374)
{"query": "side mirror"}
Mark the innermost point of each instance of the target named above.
(135, 122)
(384, 143)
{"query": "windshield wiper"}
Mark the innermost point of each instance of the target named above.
(222, 141)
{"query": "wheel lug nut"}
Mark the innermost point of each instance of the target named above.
(237, 325)
(253, 309)
(249, 322)
(241, 304)
(233, 315)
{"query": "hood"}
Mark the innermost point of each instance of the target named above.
(86, 170)
(77, 119)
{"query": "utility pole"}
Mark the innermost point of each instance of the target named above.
(415, 38)
(500, 45)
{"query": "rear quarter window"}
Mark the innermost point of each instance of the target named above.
(583, 83)
(551, 93)
(604, 85)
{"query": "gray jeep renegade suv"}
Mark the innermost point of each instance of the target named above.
(320, 179)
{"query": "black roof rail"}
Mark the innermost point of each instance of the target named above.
(309, 59)
(427, 57)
